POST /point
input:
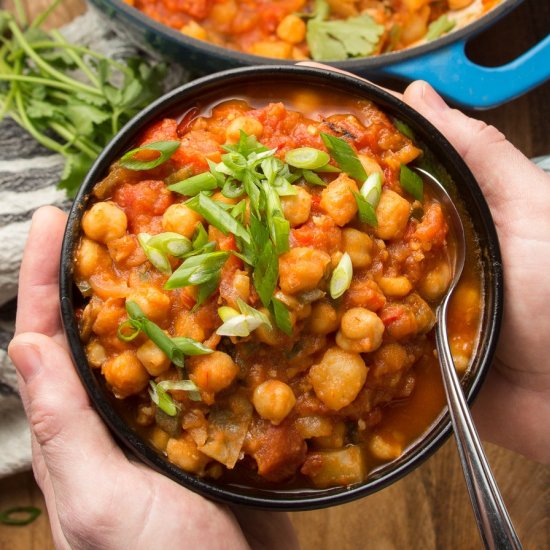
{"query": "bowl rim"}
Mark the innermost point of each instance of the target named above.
(232, 57)
(426, 444)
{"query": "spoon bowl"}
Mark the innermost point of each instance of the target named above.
(493, 520)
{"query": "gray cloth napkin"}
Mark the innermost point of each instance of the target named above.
(28, 177)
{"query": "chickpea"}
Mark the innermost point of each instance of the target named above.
(361, 331)
(314, 426)
(90, 257)
(302, 269)
(434, 284)
(125, 374)
(296, 208)
(370, 165)
(425, 317)
(358, 245)
(459, 4)
(323, 319)
(395, 286)
(104, 221)
(273, 400)
(194, 30)
(384, 447)
(241, 284)
(393, 214)
(153, 358)
(222, 13)
(96, 354)
(213, 372)
(154, 302)
(272, 48)
(338, 378)
(180, 219)
(249, 125)
(183, 452)
(389, 359)
(337, 199)
(266, 335)
(292, 29)
(187, 325)
(109, 317)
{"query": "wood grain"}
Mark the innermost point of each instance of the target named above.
(429, 509)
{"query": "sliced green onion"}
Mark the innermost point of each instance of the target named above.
(405, 129)
(372, 189)
(154, 255)
(225, 313)
(266, 272)
(170, 243)
(345, 156)
(217, 216)
(411, 182)
(341, 276)
(307, 158)
(132, 324)
(196, 270)
(232, 188)
(242, 325)
(282, 316)
(165, 150)
(190, 346)
(177, 385)
(439, 27)
(313, 179)
(11, 516)
(200, 238)
(329, 168)
(195, 184)
(367, 213)
(162, 399)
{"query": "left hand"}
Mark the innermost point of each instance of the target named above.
(96, 497)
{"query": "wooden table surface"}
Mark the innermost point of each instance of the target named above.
(429, 509)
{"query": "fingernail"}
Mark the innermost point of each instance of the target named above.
(27, 359)
(432, 98)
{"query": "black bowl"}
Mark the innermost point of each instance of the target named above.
(467, 191)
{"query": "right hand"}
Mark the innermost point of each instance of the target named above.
(513, 408)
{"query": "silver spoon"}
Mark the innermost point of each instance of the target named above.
(495, 526)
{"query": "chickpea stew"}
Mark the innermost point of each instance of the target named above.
(325, 30)
(259, 281)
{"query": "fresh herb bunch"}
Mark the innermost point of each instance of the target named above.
(71, 99)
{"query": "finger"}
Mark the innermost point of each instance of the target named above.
(315, 65)
(73, 440)
(38, 305)
(501, 170)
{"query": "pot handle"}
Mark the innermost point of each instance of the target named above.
(461, 80)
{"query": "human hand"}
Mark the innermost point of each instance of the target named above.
(96, 497)
(513, 408)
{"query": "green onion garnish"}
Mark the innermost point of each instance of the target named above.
(367, 213)
(170, 243)
(181, 385)
(313, 179)
(307, 158)
(411, 182)
(19, 515)
(195, 184)
(341, 276)
(226, 313)
(197, 270)
(282, 316)
(164, 150)
(162, 399)
(217, 216)
(188, 346)
(345, 156)
(372, 189)
(154, 255)
(244, 323)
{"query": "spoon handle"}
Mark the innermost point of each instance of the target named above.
(495, 526)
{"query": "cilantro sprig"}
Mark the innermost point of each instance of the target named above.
(337, 40)
(71, 99)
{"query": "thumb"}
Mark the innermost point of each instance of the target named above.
(502, 171)
(72, 438)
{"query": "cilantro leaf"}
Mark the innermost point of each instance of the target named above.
(439, 27)
(339, 39)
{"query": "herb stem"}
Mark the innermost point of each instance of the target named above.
(39, 19)
(81, 143)
(28, 125)
(46, 67)
(21, 13)
(77, 59)
(36, 80)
